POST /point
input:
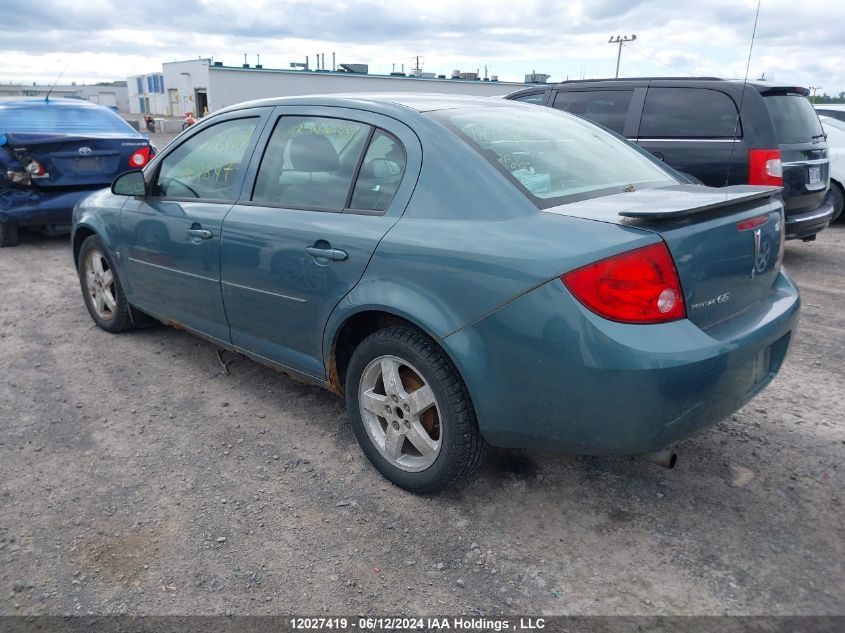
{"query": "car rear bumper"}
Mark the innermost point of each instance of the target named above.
(808, 223)
(545, 373)
(39, 207)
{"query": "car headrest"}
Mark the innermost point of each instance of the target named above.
(380, 168)
(312, 152)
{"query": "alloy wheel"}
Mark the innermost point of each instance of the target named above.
(99, 282)
(400, 413)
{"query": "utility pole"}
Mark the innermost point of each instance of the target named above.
(814, 88)
(619, 39)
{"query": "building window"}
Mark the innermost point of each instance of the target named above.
(161, 84)
(141, 104)
(140, 82)
(150, 84)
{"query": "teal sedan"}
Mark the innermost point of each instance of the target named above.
(463, 271)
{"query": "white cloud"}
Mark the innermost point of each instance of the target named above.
(101, 40)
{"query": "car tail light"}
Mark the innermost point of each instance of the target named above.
(765, 167)
(753, 223)
(639, 286)
(140, 158)
(36, 169)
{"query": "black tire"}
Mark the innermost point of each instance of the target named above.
(838, 201)
(121, 319)
(462, 447)
(9, 234)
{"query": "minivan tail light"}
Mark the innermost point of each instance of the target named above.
(140, 157)
(765, 167)
(638, 286)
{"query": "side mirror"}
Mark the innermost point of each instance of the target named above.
(130, 183)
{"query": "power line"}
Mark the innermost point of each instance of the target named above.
(659, 63)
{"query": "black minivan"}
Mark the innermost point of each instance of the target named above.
(693, 124)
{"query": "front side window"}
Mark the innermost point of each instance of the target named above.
(606, 107)
(689, 113)
(380, 174)
(310, 162)
(207, 165)
(552, 157)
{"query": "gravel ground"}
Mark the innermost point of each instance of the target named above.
(136, 476)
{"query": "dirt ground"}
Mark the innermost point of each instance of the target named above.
(136, 476)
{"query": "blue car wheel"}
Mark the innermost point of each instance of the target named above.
(411, 412)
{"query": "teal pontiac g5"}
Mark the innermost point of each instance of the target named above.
(464, 271)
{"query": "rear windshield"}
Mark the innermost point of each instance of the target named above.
(794, 119)
(551, 156)
(46, 118)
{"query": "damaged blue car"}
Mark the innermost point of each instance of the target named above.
(55, 151)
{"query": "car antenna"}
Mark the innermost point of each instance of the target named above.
(50, 91)
(742, 96)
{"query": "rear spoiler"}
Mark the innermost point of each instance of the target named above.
(689, 200)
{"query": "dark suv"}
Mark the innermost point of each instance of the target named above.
(693, 124)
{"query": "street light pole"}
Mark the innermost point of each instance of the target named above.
(620, 40)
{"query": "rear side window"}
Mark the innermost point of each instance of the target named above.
(45, 118)
(310, 163)
(606, 107)
(380, 174)
(834, 114)
(794, 119)
(538, 98)
(688, 113)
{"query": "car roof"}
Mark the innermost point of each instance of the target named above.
(61, 102)
(417, 101)
(763, 87)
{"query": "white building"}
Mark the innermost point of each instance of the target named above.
(113, 95)
(201, 85)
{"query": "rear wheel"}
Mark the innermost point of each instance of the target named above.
(411, 412)
(9, 234)
(101, 287)
(838, 201)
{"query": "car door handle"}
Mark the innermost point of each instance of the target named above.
(334, 254)
(200, 234)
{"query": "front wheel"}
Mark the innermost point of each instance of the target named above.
(411, 412)
(101, 287)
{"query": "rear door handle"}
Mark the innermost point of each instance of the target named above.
(200, 234)
(334, 254)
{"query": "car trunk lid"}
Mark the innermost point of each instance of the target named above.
(727, 243)
(73, 160)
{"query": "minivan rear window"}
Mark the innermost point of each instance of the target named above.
(794, 119)
(551, 156)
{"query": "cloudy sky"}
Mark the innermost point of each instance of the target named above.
(797, 42)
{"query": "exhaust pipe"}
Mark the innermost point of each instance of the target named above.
(666, 458)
